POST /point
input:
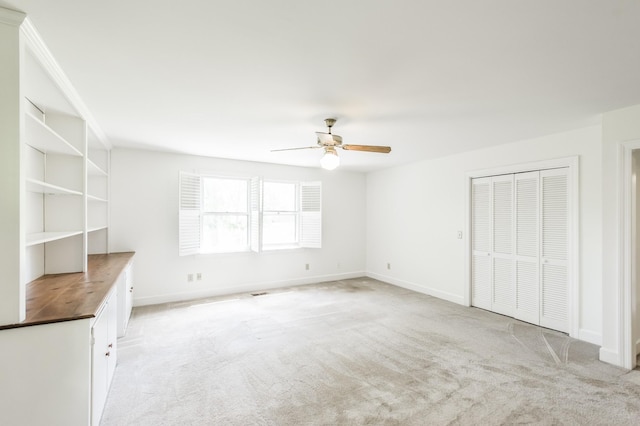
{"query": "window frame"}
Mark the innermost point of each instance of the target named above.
(191, 213)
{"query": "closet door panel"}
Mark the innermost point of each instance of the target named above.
(527, 225)
(503, 245)
(554, 234)
(481, 240)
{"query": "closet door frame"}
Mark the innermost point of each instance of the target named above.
(572, 163)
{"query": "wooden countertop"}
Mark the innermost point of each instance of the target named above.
(65, 297)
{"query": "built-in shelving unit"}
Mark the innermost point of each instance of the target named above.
(66, 171)
(57, 329)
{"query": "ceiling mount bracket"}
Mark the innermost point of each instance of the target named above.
(330, 122)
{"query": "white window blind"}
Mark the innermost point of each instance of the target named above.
(189, 213)
(310, 214)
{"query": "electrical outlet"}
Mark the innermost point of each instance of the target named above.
(306, 266)
(388, 265)
(199, 276)
(189, 277)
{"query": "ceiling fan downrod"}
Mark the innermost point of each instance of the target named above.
(329, 122)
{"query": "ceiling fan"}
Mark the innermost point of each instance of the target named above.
(329, 142)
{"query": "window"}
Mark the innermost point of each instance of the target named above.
(223, 214)
(280, 218)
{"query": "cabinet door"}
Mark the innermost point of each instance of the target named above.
(99, 366)
(112, 337)
(125, 299)
(104, 352)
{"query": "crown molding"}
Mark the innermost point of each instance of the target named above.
(11, 17)
(42, 53)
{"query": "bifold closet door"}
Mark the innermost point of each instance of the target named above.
(481, 243)
(492, 244)
(527, 259)
(554, 233)
(520, 225)
(503, 245)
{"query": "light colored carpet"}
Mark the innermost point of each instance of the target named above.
(356, 352)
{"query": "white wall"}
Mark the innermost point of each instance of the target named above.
(144, 218)
(414, 213)
(12, 292)
(636, 215)
(618, 126)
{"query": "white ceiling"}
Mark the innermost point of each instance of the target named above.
(237, 78)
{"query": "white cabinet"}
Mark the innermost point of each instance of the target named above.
(104, 355)
(125, 299)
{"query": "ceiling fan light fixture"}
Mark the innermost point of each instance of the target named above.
(330, 159)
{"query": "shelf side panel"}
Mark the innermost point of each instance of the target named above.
(34, 267)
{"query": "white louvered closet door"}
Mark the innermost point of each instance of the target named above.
(554, 231)
(527, 250)
(503, 245)
(481, 240)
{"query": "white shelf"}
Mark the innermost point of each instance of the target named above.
(94, 170)
(96, 228)
(98, 199)
(45, 139)
(34, 185)
(45, 237)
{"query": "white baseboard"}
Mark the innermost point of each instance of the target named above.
(610, 357)
(589, 336)
(242, 288)
(418, 288)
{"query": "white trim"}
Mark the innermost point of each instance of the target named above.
(53, 69)
(11, 17)
(609, 356)
(418, 288)
(590, 336)
(574, 204)
(243, 288)
(626, 348)
(554, 163)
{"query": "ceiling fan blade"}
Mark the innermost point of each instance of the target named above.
(293, 149)
(367, 148)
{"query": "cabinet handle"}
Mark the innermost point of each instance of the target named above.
(110, 345)
(108, 353)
